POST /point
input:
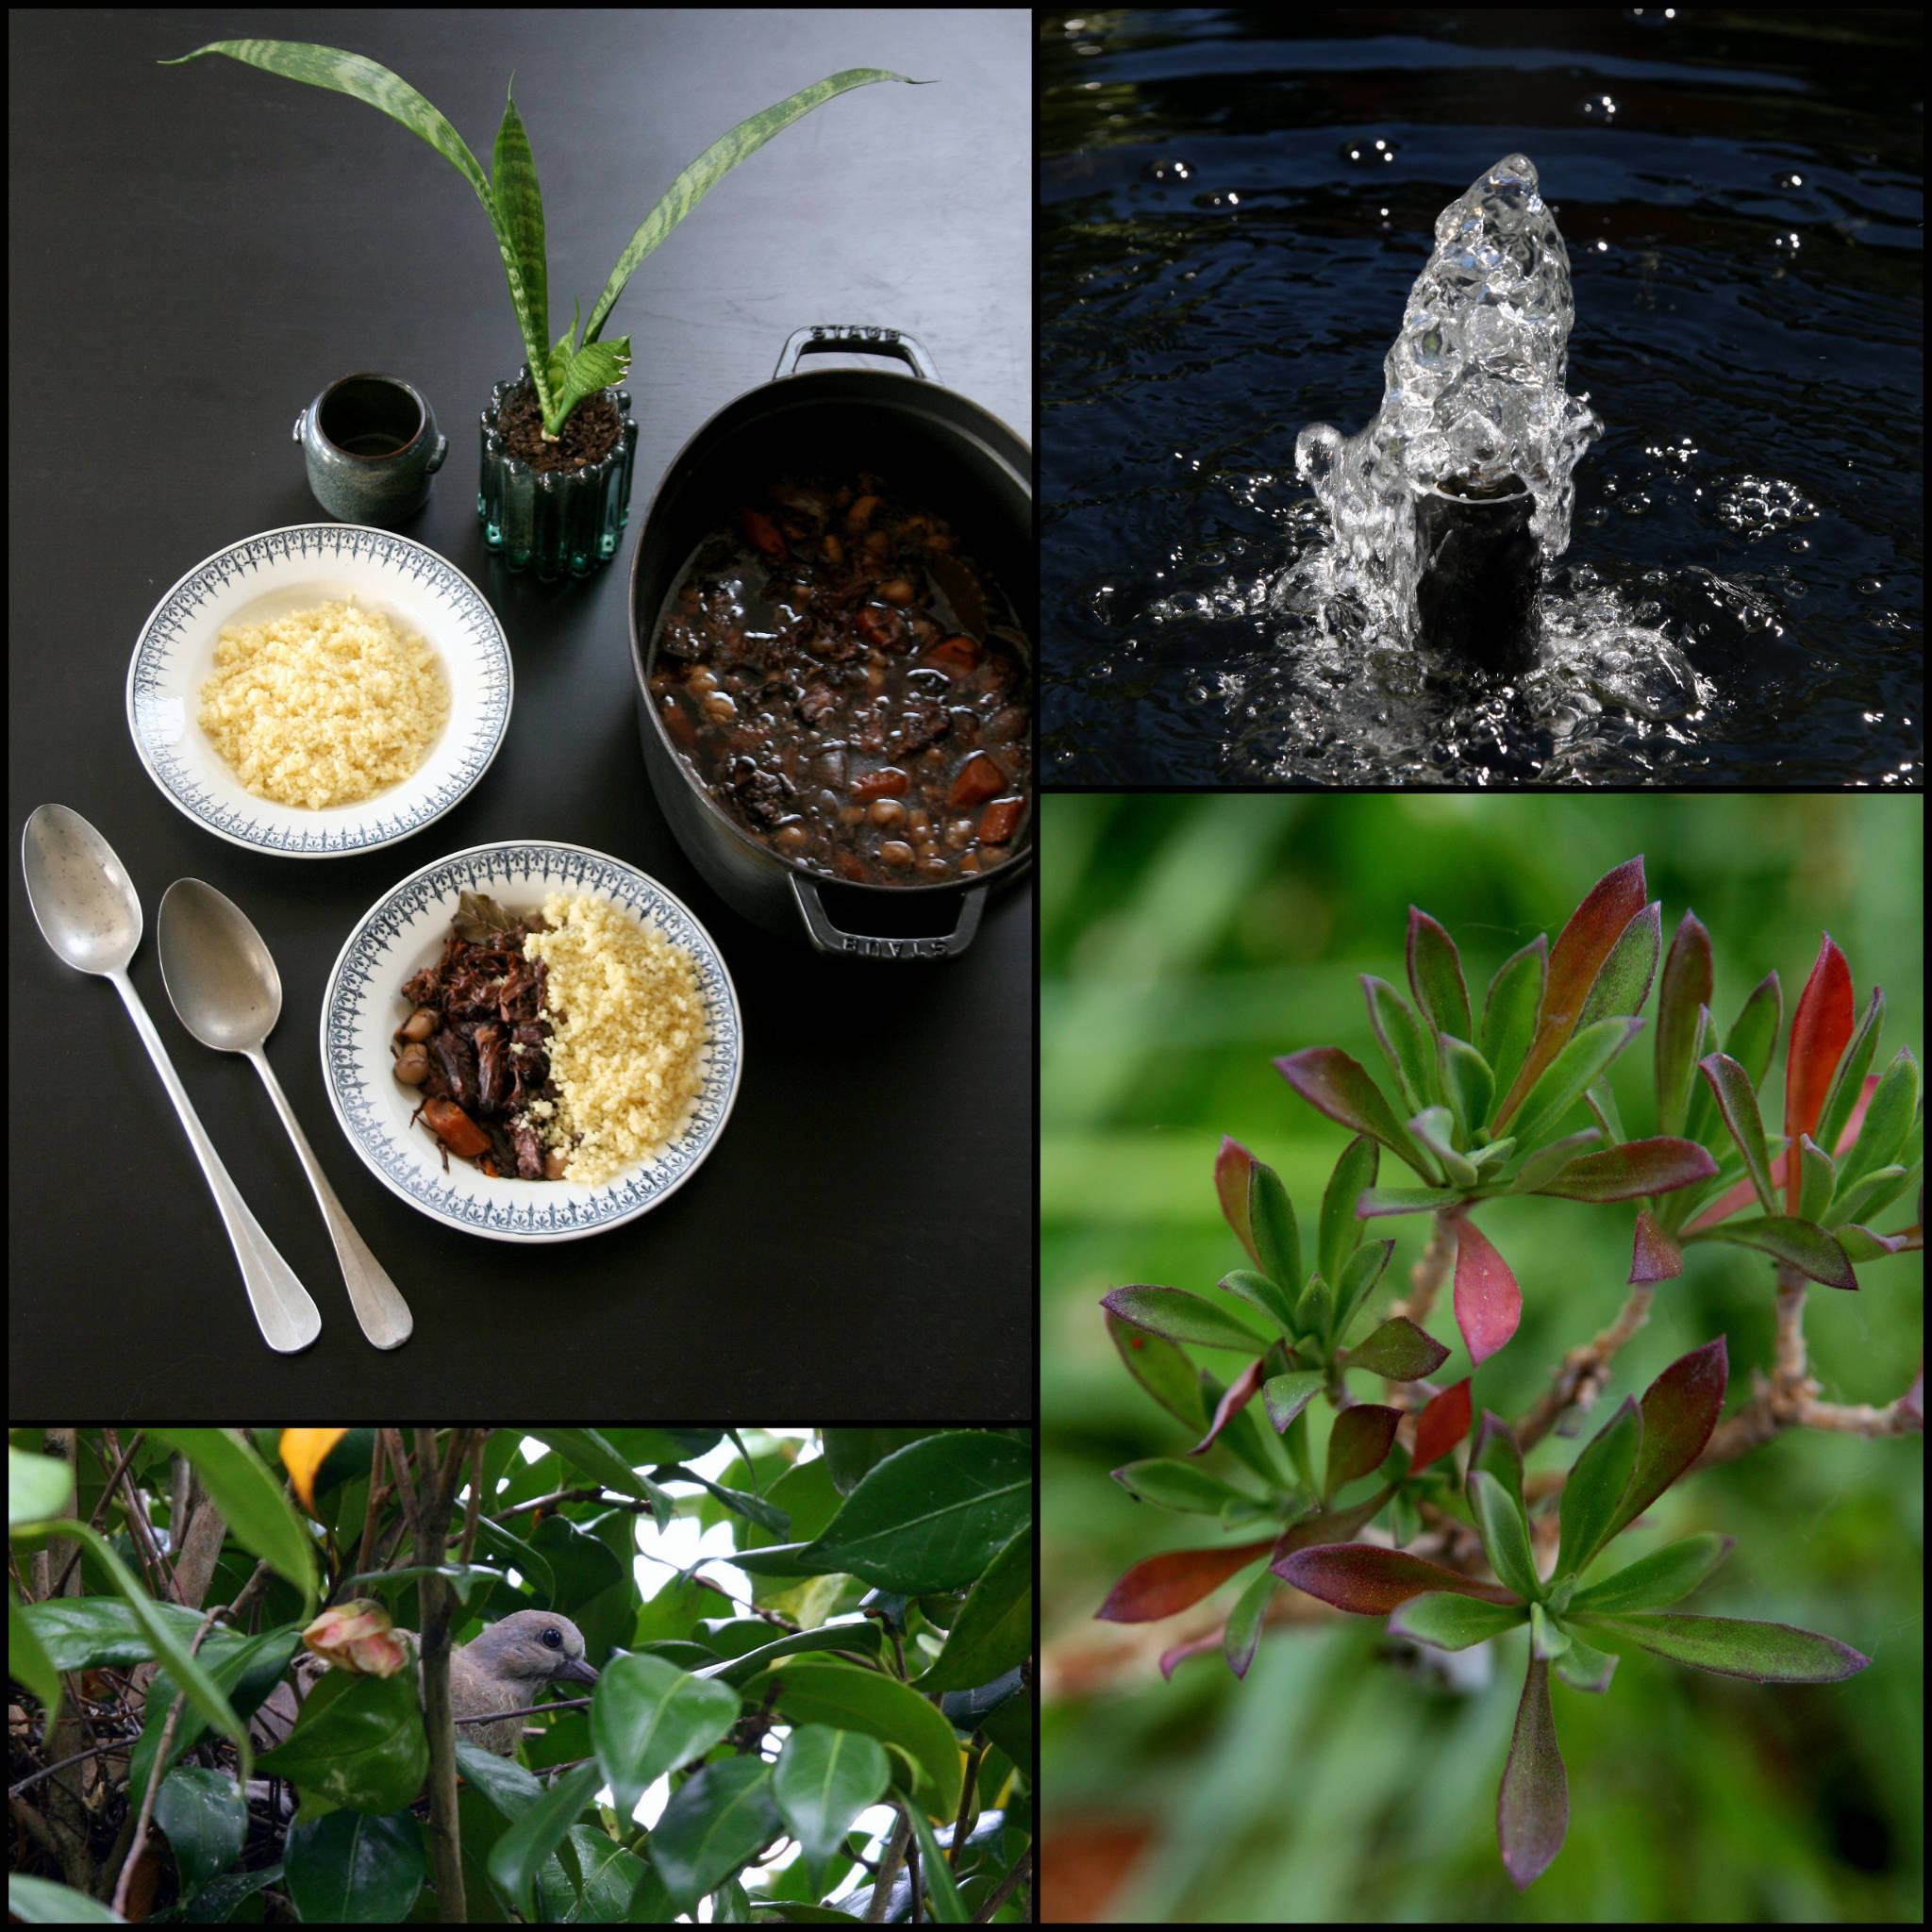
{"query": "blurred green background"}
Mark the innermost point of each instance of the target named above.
(1188, 940)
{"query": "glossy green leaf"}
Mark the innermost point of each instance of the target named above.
(1568, 1076)
(1509, 1011)
(1435, 976)
(1818, 1181)
(1622, 981)
(1183, 1317)
(1359, 1444)
(1765, 1653)
(1160, 1586)
(1685, 988)
(1172, 1483)
(1467, 1085)
(713, 1826)
(1547, 1638)
(1341, 1230)
(1888, 1121)
(1243, 1630)
(1487, 1302)
(1364, 1271)
(1584, 1669)
(1583, 945)
(1821, 1028)
(1233, 1164)
(1505, 1531)
(1679, 1409)
(1265, 1294)
(1533, 1807)
(1497, 1452)
(1800, 1244)
(1454, 1623)
(1632, 1172)
(1337, 1086)
(823, 1779)
(1160, 1368)
(1595, 1486)
(650, 1716)
(1399, 1034)
(1737, 1101)
(1370, 1581)
(1655, 1582)
(1398, 1350)
(1278, 1239)
(1286, 1396)
(1849, 1081)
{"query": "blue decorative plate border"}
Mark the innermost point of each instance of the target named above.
(405, 931)
(185, 766)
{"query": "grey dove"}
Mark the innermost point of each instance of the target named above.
(504, 1669)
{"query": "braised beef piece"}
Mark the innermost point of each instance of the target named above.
(493, 1075)
(529, 1155)
(763, 796)
(921, 723)
(456, 1058)
(815, 703)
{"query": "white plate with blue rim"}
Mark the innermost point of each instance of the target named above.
(264, 577)
(363, 1004)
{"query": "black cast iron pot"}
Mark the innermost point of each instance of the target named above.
(935, 448)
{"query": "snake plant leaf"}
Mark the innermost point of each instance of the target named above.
(1498, 1452)
(1595, 1486)
(1685, 988)
(1340, 1087)
(1821, 1028)
(1622, 981)
(1175, 1580)
(1655, 1582)
(1183, 1317)
(1399, 1034)
(1398, 1350)
(1487, 1302)
(1849, 1081)
(1817, 1180)
(1570, 1074)
(1435, 976)
(1466, 1083)
(1170, 1482)
(1533, 1807)
(1889, 1117)
(1733, 1647)
(1243, 1631)
(519, 204)
(1376, 1201)
(1232, 1167)
(1655, 1256)
(1454, 1623)
(1358, 1282)
(1680, 1409)
(1800, 1244)
(1584, 1669)
(1341, 1231)
(717, 162)
(1510, 1010)
(1631, 1171)
(1161, 1369)
(1737, 1101)
(1505, 1531)
(1581, 948)
(575, 373)
(1441, 1424)
(1271, 1215)
(1286, 1396)
(1370, 1581)
(1234, 1398)
(1359, 1444)
(1264, 1292)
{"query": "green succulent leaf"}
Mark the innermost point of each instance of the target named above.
(1400, 1351)
(1435, 1129)
(1364, 1269)
(1359, 1444)
(1888, 1121)
(1286, 1396)
(1314, 1314)
(1631, 1171)
(1872, 1195)
(1570, 1074)
(1510, 1010)
(1584, 1669)
(1335, 1085)
(1595, 1486)
(1454, 1623)
(1243, 1631)
(1435, 976)
(1622, 981)
(1737, 1101)
(1161, 1369)
(1376, 1201)
(1685, 988)
(1655, 1582)
(1548, 1638)
(1819, 1179)
(1497, 1451)
(1533, 1807)
(1262, 1292)
(1765, 1653)
(1849, 1081)
(1172, 1483)
(1800, 1244)
(1679, 1409)
(1751, 1041)
(1278, 1239)
(1863, 1244)
(1232, 1167)
(1399, 1034)
(1183, 1317)
(1341, 1230)
(1467, 1084)
(1505, 1531)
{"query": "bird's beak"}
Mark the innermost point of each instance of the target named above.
(574, 1671)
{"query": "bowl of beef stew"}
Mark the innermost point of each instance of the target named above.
(831, 613)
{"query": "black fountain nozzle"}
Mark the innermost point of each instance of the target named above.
(1481, 568)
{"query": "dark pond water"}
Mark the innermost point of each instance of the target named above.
(1234, 206)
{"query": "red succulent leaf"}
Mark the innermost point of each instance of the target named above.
(1237, 1396)
(1581, 948)
(1820, 1028)
(1488, 1305)
(1441, 1424)
(1232, 1167)
(1680, 1409)
(1533, 1807)
(1655, 1257)
(1162, 1585)
(1632, 1170)
(1744, 1196)
(1371, 1581)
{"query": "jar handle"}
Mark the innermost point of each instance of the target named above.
(855, 338)
(829, 938)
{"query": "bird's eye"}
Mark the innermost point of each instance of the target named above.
(553, 1636)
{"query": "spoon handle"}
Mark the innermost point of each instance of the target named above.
(289, 1318)
(379, 1306)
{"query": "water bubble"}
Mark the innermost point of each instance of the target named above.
(1169, 171)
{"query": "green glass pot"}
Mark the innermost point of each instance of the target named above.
(556, 521)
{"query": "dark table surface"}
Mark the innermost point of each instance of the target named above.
(196, 251)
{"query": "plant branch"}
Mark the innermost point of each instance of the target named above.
(1584, 1371)
(1427, 1278)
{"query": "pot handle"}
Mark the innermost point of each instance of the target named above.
(828, 938)
(855, 338)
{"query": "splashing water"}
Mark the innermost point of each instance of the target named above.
(1475, 398)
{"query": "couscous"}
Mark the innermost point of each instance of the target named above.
(325, 707)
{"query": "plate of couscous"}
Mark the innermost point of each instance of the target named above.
(622, 1051)
(319, 690)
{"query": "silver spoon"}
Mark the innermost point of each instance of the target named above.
(225, 987)
(90, 914)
